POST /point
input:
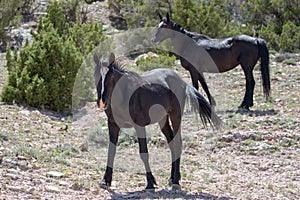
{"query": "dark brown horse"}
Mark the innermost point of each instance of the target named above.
(131, 100)
(199, 53)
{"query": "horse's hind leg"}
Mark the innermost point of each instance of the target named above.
(250, 83)
(113, 138)
(176, 146)
(168, 132)
(141, 133)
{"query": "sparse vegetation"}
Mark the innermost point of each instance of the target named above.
(255, 155)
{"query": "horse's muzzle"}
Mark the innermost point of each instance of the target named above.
(102, 105)
(154, 40)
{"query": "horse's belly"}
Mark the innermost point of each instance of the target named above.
(223, 60)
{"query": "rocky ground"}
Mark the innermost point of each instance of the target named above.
(44, 155)
(255, 156)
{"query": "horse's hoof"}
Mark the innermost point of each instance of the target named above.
(176, 187)
(170, 182)
(103, 184)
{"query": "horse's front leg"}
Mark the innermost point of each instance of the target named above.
(194, 77)
(141, 134)
(206, 90)
(114, 130)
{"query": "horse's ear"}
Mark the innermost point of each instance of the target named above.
(112, 58)
(160, 17)
(96, 58)
(168, 17)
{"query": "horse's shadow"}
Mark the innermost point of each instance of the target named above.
(252, 113)
(165, 194)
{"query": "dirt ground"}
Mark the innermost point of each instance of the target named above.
(255, 156)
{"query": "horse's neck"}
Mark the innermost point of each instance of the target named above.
(194, 36)
(180, 41)
(187, 33)
(127, 82)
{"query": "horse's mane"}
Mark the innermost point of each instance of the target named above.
(195, 36)
(133, 76)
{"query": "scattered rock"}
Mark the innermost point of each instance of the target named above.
(23, 165)
(63, 183)
(84, 146)
(51, 188)
(11, 176)
(144, 56)
(95, 191)
(14, 188)
(226, 138)
(30, 190)
(12, 171)
(54, 174)
(25, 112)
(21, 158)
(64, 128)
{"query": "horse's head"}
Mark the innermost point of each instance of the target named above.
(165, 29)
(104, 82)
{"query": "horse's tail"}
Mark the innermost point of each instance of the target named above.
(264, 69)
(201, 106)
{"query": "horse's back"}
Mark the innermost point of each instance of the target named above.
(169, 79)
(161, 75)
(244, 38)
(217, 43)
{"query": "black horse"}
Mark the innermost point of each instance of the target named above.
(131, 100)
(221, 55)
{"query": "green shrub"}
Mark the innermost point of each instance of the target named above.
(43, 74)
(290, 37)
(268, 33)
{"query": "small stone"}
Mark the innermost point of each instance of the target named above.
(30, 190)
(25, 112)
(55, 174)
(11, 176)
(95, 191)
(84, 146)
(50, 188)
(27, 130)
(12, 171)
(23, 165)
(63, 183)
(227, 138)
(14, 188)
